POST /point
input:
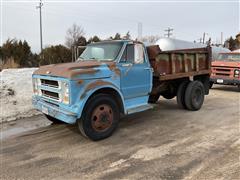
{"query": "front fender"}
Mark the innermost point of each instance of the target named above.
(91, 88)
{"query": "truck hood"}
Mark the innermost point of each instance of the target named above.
(226, 64)
(82, 69)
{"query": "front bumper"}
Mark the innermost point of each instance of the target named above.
(54, 111)
(225, 81)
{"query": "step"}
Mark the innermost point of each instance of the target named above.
(139, 108)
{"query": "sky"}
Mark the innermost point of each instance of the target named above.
(189, 19)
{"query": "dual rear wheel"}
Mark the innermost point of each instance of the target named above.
(190, 95)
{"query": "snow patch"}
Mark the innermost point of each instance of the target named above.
(16, 94)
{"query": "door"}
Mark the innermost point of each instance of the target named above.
(136, 73)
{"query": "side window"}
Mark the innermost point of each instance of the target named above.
(139, 54)
(128, 55)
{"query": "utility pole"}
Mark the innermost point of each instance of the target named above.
(204, 36)
(168, 30)
(200, 40)
(221, 38)
(40, 14)
(139, 30)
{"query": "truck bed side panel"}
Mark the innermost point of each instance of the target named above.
(175, 64)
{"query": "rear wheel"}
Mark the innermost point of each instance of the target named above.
(153, 98)
(194, 95)
(210, 85)
(181, 94)
(168, 95)
(54, 120)
(100, 117)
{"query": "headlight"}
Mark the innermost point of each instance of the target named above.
(34, 86)
(65, 92)
(236, 72)
(35, 89)
(36, 82)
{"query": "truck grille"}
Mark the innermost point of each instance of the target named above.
(226, 72)
(49, 83)
(51, 95)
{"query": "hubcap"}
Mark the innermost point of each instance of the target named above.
(102, 118)
(197, 96)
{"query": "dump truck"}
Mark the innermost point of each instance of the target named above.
(226, 69)
(111, 79)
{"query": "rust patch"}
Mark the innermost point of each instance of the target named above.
(153, 51)
(69, 70)
(80, 81)
(84, 71)
(112, 66)
(93, 85)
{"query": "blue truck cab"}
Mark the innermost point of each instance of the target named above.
(109, 78)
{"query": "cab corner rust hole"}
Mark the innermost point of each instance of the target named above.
(94, 118)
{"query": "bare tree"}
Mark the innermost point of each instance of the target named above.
(150, 39)
(73, 34)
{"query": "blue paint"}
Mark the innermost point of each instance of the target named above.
(133, 86)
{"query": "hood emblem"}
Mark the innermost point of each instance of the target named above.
(48, 72)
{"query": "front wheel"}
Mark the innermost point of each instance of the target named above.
(100, 117)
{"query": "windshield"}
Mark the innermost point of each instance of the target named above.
(229, 57)
(107, 51)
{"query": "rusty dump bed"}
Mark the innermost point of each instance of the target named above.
(176, 64)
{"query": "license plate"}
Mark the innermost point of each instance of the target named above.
(219, 80)
(44, 110)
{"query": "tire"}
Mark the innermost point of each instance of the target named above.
(168, 95)
(194, 95)
(181, 94)
(100, 117)
(210, 85)
(153, 98)
(54, 120)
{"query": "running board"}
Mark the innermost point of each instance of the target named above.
(139, 109)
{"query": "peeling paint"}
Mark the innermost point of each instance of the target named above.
(93, 85)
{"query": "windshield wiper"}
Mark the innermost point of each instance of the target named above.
(92, 58)
(80, 58)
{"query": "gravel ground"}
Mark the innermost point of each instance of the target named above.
(163, 143)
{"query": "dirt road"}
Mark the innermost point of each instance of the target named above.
(163, 143)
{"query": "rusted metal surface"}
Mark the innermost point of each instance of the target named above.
(80, 81)
(102, 118)
(181, 75)
(94, 85)
(153, 51)
(175, 64)
(112, 66)
(69, 70)
(223, 69)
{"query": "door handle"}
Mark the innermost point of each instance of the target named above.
(149, 68)
(126, 65)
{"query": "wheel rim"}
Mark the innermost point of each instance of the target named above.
(197, 96)
(102, 118)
